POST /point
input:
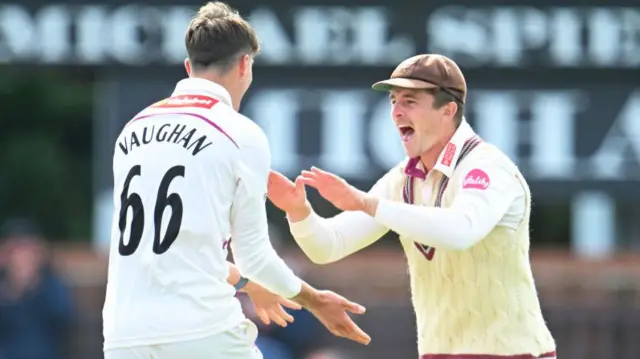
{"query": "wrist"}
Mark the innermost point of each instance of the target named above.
(248, 288)
(307, 296)
(242, 284)
(299, 213)
(369, 204)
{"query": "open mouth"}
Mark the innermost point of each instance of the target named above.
(406, 132)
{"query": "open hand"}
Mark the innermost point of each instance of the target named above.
(291, 197)
(269, 306)
(334, 189)
(331, 310)
(284, 193)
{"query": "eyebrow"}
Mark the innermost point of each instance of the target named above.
(406, 95)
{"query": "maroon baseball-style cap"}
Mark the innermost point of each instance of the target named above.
(427, 71)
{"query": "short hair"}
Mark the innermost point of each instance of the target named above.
(442, 97)
(217, 36)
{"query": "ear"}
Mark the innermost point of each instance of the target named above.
(245, 65)
(450, 109)
(187, 67)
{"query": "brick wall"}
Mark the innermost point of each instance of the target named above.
(593, 308)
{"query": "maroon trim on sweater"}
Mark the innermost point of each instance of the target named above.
(488, 356)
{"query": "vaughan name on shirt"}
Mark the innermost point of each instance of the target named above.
(172, 133)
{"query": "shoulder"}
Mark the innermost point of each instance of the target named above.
(488, 165)
(487, 154)
(246, 132)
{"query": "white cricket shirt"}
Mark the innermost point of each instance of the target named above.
(189, 174)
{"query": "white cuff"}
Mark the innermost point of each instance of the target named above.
(305, 227)
(384, 211)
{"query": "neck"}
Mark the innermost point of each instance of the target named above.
(430, 157)
(223, 81)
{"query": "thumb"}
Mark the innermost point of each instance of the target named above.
(300, 189)
(277, 178)
(354, 308)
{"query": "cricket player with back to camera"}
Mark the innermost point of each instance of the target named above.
(461, 209)
(190, 172)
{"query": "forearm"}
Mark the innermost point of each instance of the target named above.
(436, 227)
(473, 213)
(317, 240)
(329, 240)
(264, 267)
(234, 274)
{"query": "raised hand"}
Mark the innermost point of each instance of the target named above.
(269, 306)
(291, 197)
(334, 189)
(331, 310)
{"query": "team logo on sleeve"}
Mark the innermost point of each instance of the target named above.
(476, 179)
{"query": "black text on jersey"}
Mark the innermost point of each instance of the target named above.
(163, 200)
(169, 133)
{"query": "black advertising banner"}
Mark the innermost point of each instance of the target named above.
(333, 33)
(555, 86)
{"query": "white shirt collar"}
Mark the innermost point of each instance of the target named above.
(195, 85)
(448, 157)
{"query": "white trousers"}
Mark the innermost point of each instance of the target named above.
(236, 343)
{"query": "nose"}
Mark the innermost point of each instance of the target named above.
(397, 111)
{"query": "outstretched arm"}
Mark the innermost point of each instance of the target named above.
(489, 188)
(252, 250)
(483, 198)
(325, 240)
(256, 258)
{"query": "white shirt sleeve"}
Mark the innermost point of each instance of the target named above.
(253, 253)
(475, 211)
(326, 240)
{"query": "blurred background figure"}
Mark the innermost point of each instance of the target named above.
(327, 353)
(35, 305)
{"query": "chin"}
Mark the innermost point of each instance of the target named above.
(410, 152)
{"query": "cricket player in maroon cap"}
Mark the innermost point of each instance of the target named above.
(461, 209)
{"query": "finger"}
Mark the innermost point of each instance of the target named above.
(324, 174)
(354, 333)
(278, 179)
(263, 316)
(309, 174)
(358, 335)
(290, 304)
(273, 174)
(299, 189)
(320, 171)
(350, 330)
(274, 177)
(354, 308)
(307, 181)
(276, 318)
(283, 314)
